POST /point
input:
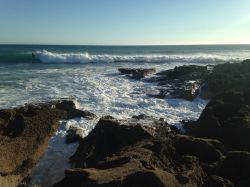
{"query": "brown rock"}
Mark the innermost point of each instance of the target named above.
(127, 154)
(24, 136)
(226, 118)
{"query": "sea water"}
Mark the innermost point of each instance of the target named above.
(89, 76)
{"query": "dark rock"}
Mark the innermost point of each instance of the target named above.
(226, 77)
(149, 178)
(125, 153)
(74, 134)
(180, 82)
(188, 91)
(226, 118)
(73, 112)
(107, 137)
(191, 70)
(217, 181)
(24, 136)
(206, 150)
(136, 73)
(236, 167)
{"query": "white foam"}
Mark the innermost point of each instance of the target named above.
(52, 57)
(56, 159)
(96, 88)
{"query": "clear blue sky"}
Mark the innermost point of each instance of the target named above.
(124, 22)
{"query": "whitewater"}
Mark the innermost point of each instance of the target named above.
(89, 76)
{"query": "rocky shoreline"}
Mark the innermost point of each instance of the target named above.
(214, 151)
(24, 136)
(129, 153)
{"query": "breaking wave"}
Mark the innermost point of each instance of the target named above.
(50, 57)
(45, 56)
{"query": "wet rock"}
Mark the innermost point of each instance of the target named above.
(136, 73)
(24, 136)
(180, 82)
(188, 81)
(73, 112)
(74, 134)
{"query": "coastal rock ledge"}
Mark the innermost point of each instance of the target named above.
(130, 153)
(24, 136)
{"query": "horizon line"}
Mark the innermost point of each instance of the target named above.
(124, 45)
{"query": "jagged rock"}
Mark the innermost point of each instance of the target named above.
(105, 139)
(226, 77)
(180, 82)
(226, 118)
(207, 150)
(127, 153)
(24, 136)
(136, 73)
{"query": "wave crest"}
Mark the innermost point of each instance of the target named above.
(52, 57)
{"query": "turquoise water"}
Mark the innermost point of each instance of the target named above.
(89, 76)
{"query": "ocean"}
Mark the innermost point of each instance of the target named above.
(89, 76)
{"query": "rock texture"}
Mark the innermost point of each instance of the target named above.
(227, 77)
(188, 81)
(226, 118)
(130, 154)
(136, 73)
(24, 136)
(180, 82)
(74, 134)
